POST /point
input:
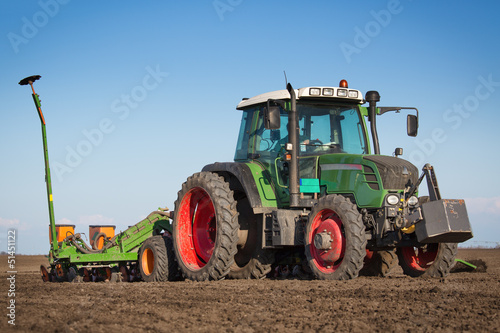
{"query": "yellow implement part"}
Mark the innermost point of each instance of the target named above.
(409, 230)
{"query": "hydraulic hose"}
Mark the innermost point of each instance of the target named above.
(96, 240)
(85, 248)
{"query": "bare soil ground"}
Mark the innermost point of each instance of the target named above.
(464, 301)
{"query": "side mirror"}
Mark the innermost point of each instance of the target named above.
(272, 119)
(412, 125)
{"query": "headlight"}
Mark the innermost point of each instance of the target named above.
(353, 94)
(327, 91)
(392, 199)
(342, 92)
(315, 91)
(413, 201)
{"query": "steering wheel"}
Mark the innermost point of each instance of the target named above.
(315, 142)
(335, 147)
(268, 143)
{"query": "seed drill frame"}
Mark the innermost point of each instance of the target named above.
(71, 254)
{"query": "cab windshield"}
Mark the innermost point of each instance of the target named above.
(330, 129)
(323, 129)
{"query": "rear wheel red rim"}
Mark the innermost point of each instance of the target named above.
(327, 222)
(420, 258)
(196, 226)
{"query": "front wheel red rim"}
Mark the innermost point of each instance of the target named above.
(196, 225)
(328, 250)
(420, 258)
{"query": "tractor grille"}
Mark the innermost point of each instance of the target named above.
(395, 172)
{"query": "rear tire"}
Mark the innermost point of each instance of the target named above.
(205, 228)
(430, 260)
(335, 242)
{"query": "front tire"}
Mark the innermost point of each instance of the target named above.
(205, 228)
(335, 239)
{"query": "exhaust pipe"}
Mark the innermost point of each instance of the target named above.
(293, 136)
(372, 97)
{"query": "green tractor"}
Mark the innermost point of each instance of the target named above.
(306, 186)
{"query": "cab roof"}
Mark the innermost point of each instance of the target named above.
(317, 92)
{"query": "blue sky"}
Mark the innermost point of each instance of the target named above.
(139, 96)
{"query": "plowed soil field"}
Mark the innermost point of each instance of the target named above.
(464, 301)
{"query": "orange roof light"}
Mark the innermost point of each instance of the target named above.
(343, 84)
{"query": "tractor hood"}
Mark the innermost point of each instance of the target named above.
(395, 172)
(364, 176)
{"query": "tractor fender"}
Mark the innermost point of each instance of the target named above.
(252, 181)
